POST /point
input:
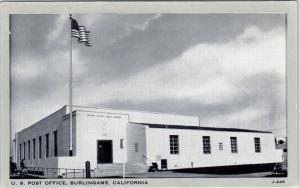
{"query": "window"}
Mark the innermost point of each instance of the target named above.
(206, 144)
(28, 149)
(40, 147)
(136, 147)
(174, 144)
(20, 151)
(121, 143)
(220, 146)
(47, 145)
(55, 143)
(257, 145)
(33, 147)
(233, 143)
(24, 154)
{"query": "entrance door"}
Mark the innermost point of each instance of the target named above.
(104, 151)
(164, 164)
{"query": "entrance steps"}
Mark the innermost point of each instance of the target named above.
(116, 169)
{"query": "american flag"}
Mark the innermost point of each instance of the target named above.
(80, 33)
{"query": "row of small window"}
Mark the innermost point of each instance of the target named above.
(33, 141)
(174, 144)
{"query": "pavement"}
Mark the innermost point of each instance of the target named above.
(170, 174)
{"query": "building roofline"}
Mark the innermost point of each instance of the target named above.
(34, 124)
(128, 110)
(164, 126)
(151, 125)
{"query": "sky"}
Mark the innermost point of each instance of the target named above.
(228, 69)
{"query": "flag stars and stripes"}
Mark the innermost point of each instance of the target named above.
(80, 33)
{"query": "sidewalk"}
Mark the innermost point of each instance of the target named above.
(170, 174)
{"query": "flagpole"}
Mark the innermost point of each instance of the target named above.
(70, 90)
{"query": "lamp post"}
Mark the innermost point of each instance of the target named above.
(123, 155)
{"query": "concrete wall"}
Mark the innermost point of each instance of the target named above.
(13, 150)
(47, 125)
(136, 134)
(148, 117)
(93, 126)
(191, 148)
(63, 135)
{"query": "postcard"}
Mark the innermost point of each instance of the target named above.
(149, 94)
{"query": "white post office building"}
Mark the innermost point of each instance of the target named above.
(107, 138)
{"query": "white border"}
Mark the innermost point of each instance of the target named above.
(288, 7)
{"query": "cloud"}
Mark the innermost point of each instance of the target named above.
(28, 70)
(216, 66)
(204, 73)
(56, 31)
(120, 50)
(144, 25)
(244, 70)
